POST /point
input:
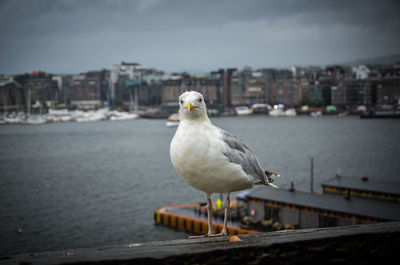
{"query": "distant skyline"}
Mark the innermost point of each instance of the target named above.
(70, 36)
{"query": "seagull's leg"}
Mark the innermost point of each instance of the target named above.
(227, 203)
(224, 231)
(209, 219)
(209, 214)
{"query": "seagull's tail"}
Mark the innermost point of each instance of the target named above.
(271, 175)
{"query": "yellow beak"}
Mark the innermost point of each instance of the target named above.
(189, 106)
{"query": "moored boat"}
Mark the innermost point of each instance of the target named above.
(90, 117)
(243, 110)
(276, 112)
(290, 113)
(13, 120)
(124, 116)
(35, 119)
(173, 120)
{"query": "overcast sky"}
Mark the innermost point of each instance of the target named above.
(70, 36)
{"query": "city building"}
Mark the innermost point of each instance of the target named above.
(286, 92)
(130, 85)
(386, 82)
(225, 83)
(39, 89)
(10, 95)
(173, 87)
(87, 90)
(131, 82)
(360, 72)
(352, 93)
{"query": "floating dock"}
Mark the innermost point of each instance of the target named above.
(344, 201)
(309, 210)
(191, 217)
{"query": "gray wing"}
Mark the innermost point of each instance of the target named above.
(239, 153)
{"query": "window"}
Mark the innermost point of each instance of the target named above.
(271, 213)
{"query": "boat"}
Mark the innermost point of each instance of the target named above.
(385, 111)
(12, 120)
(124, 116)
(90, 117)
(276, 112)
(65, 118)
(290, 113)
(316, 114)
(58, 112)
(261, 108)
(243, 110)
(36, 119)
(173, 120)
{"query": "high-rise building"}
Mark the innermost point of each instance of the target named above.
(132, 81)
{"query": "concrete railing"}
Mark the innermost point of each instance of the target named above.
(360, 244)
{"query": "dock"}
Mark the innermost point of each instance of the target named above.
(309, 210)
(344, 201)
(359, 244)
(192, 218)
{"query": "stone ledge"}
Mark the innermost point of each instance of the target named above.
(360, 244)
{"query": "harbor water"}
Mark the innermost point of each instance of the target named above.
(80, 185)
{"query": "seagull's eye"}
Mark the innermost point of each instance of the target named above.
(200, 100)
(181, 101)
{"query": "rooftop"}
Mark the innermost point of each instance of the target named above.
(362, 207)
(364, 184)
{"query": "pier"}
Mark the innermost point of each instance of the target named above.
(345, 201)
(359, 244)
(189, 217)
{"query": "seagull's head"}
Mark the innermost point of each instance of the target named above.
(192, 106)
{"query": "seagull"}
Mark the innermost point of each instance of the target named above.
(212, 160)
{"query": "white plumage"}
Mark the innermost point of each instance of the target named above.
(197, 155)
(210, 159)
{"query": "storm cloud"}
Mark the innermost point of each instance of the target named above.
(176, 35)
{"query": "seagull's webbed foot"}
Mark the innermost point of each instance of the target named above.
(211, 233)
(219, 234)
(194, 237)
(208, 235)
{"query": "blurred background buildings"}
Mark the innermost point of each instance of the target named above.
(130, 85)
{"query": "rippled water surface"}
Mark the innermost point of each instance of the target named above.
(91, 184)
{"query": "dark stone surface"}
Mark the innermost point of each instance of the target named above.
(362, 244)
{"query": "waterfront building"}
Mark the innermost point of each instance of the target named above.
(286, 92)
(10, 94)
(133, 81)
(87, 90)
(386, 84)
(380, 87)
(224, 78)
(352, 93)
(119, 73)
(249, 86)
(236, 90)
(176, 84)
(38, 88)
(254, 92)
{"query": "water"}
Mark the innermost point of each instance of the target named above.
(92, 184)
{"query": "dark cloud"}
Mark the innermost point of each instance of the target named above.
(73, 36)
